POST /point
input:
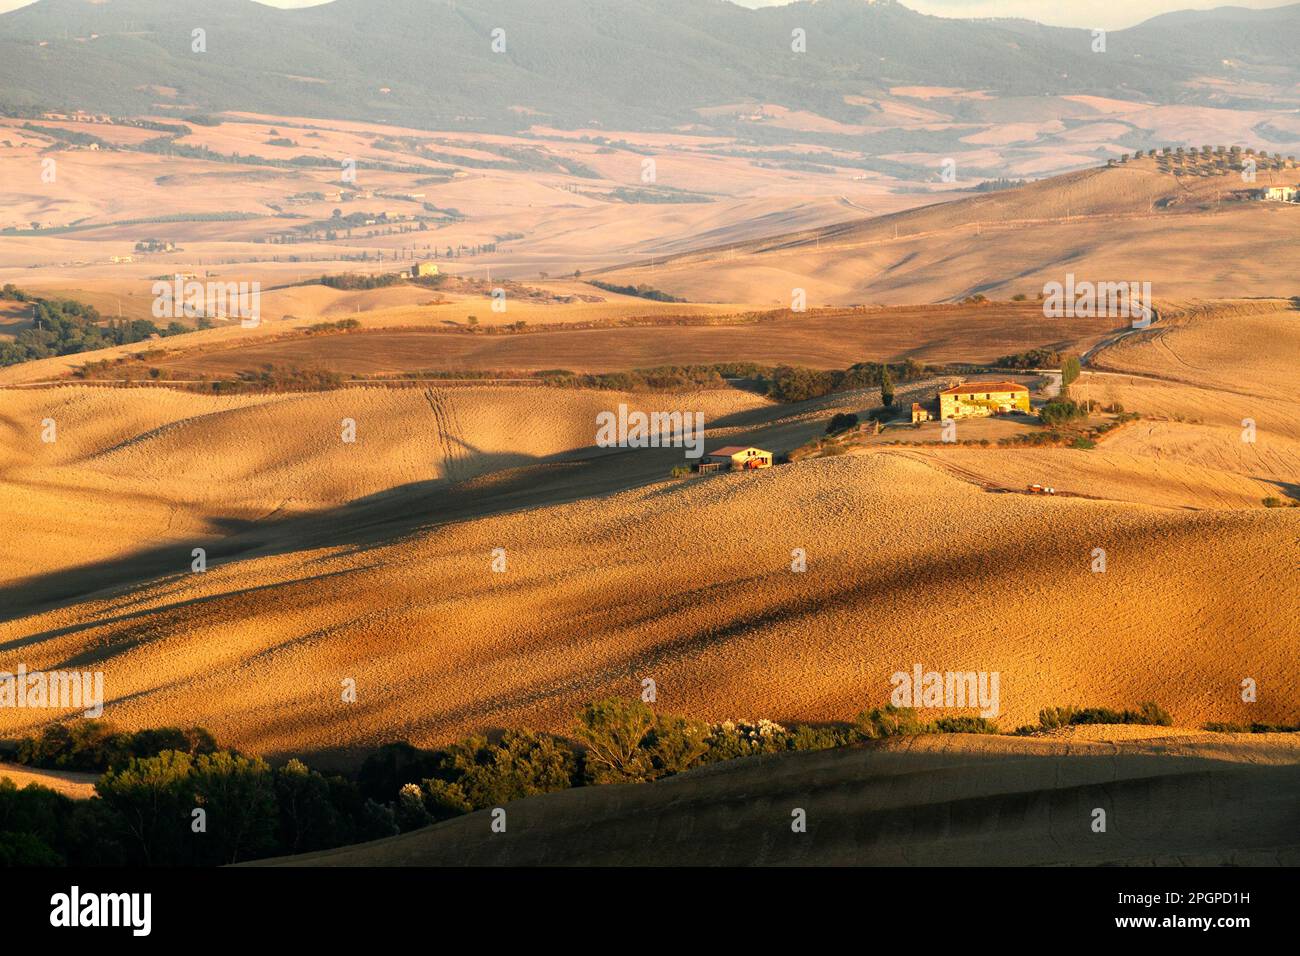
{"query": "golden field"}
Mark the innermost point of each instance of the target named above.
(1188, 237)
(372, 561)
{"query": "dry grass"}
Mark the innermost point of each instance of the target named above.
(373, 562)
(78, 786)
(680, 584)
(1101, 224)
(824, 339)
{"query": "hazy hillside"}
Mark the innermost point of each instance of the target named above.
(642, 62)
(1099, 223)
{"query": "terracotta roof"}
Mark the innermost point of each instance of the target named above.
(730, 450)
(968, 387)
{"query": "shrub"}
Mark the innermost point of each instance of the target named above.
(743, 738)
(378, 821)
(677, 744)
(238, 795)
(840, 422)
(797, 384)
(26, 849)
(627, 742)
(308, 818)
(152, 798)
(614, 731)
(343, 325)
(97, 745)
(1034, 358)
(888, 721)
(806, 737)
(642, 291)
(1147, 713)
(522, 764)
(891, 721)
(31, 825)
(443, 800)
(1061, 411)
(390, 767)
(964, 725)
(411, 813)
(1253, 728)
(353, 281)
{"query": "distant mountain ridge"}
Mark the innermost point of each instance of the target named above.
(621, 63)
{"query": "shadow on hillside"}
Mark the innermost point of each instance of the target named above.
(975, 802)
(1289, 488)
(500, 483)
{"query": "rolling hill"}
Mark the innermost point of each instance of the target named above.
(616, 573)
(1189, 236)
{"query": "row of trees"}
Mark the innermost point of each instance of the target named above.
(795, 383)
(65, 327)
(171, 797)
(1193, 153)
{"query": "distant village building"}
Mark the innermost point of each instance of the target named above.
(973, 399)
(424, 269)
(736, 458)
(1281, 194)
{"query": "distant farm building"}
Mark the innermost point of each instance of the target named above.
(424, 269)
(919, 413)
(736, 458)
(972, 399)
(1281, 193)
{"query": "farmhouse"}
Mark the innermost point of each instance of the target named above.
(736, 458)
(919, 413)
(424, 269)
(1281, 193)
(971, 399)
